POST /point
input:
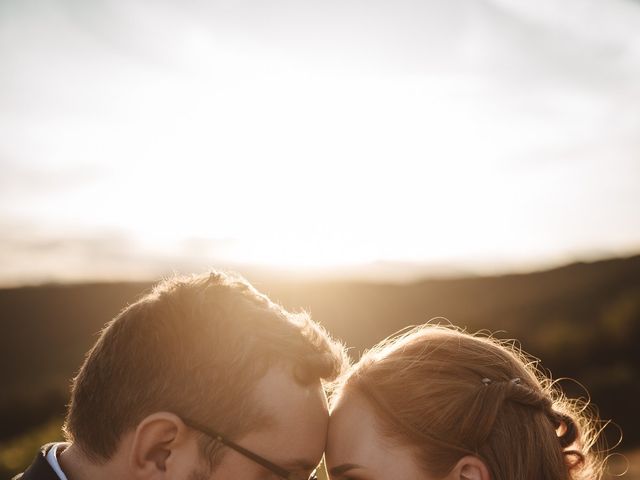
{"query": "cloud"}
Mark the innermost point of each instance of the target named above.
(168, 121)
(19, 181)
(32, 254)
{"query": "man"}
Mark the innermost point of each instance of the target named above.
(203, 378)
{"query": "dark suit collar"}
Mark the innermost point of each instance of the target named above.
(40, 468)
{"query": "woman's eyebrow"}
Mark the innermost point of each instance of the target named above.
(345, 467)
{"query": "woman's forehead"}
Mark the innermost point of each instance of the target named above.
(355, 438)
(353, 429)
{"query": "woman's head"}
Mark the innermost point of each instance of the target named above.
(449, 398)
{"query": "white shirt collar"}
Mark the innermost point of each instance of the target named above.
(52, 458)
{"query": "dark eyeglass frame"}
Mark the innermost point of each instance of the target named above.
(260, 460)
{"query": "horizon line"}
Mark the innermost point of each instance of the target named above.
(420, 272)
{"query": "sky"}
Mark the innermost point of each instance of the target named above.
(472, 136)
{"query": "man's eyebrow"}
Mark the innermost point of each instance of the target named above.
(345, 467)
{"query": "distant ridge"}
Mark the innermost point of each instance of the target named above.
(581, 319)
(382, 271)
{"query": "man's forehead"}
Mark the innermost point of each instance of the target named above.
(277, 392)
(297, 417)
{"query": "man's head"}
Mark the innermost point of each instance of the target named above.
(208, 350)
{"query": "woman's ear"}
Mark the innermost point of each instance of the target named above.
(154, 444)
(469, 468)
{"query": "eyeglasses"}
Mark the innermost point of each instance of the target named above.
(269, 465)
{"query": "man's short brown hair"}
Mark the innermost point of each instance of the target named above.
(194, 346)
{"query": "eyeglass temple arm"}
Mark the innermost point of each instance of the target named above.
(247, 453)
(256, 458)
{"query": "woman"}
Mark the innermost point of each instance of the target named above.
(438, 403)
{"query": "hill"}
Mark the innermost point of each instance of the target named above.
(582, 320)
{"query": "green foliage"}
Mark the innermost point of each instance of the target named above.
(621, 318)
(18, 453)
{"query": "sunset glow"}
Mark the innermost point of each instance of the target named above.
(137, 139)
